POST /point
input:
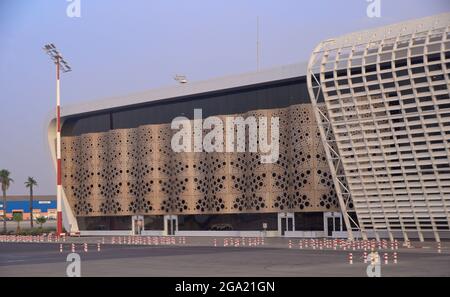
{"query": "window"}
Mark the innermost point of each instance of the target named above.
(418, 70)
(356, 80)
(420, 80)
(423, 90)
(434, 57)
(371, 68)
(385, 66)
(404, 82)
(416, 60)
(402, 72)
(328, 75)
(435, 67)
(359, 89)
(355, 70)
(371, 77)
(341, 73)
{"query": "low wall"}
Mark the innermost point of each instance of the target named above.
(304, 234)
(228, 233)
(105, 232)
(152, 233)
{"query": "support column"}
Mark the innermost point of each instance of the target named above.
(59, 228)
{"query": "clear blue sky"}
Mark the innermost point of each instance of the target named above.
(119, 47)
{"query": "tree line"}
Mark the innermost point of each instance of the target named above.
(30, 183)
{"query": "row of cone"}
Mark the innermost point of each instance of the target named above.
(241, 242)
(84, 247)
(148, 240)
(335, 244)
(373, 260)
(32, 238)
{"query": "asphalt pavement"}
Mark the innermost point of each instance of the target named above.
(45, 259)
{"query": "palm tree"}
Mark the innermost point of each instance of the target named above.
(5, 180)
(18, 217)
(30, 183)
(41, 220)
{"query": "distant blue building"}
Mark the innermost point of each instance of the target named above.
(43, 205)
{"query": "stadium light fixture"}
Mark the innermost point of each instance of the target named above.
(180, 78)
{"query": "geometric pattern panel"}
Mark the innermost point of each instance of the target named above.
(135, 171)
(387, 97)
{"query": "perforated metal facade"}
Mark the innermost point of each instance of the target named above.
(135, 171)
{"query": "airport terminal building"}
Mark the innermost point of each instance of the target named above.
(364, 147)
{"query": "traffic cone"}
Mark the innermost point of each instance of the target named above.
(395, 257)
(350, 258)
(386, 259)
(60, 248)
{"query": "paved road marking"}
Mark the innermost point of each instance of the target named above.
(13, 261)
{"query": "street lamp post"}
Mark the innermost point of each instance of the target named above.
(61, 65)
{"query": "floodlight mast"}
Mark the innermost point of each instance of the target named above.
(61, 65)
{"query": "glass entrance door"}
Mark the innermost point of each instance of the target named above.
(171, 224)
(330, 223)
(137, 225)
(287, 224)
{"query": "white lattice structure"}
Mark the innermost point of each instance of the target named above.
(382, 102)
